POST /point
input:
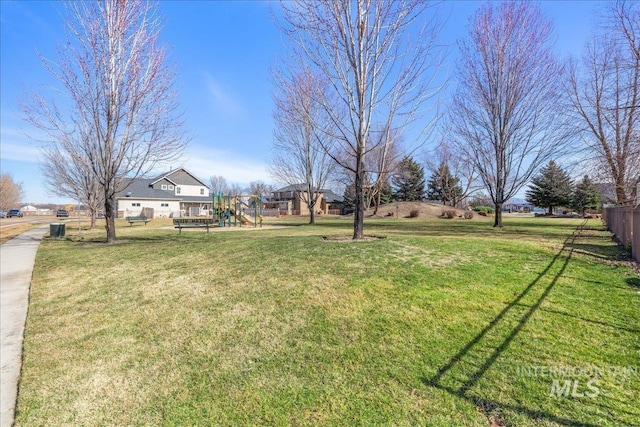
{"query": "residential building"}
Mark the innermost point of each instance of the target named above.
(289, 200)
(175, 193)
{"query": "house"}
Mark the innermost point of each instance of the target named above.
(518, 206)
(175, 193)
(289, 200)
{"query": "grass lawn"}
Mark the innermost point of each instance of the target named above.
(439, 323)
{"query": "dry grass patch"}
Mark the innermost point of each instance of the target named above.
(8, 232)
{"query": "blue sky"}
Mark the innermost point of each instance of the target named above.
(223, 51)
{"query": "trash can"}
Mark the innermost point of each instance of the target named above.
(56, 229)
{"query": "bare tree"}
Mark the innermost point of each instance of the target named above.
(298, 153)
(10, 192)
(259, 190)
(122, 113)
(69, 174)
(460, 166)
(605, 94)
(218, 184)
(378, 58)
(236, 189)
(506, 116)
(381, 162)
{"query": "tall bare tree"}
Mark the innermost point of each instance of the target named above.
(381, 162)
(605, 94)
(300, 135)
(11, 192)
(121, 111)
(219, 184)
(460, 166)
(379, 59)
(259, 190)
(69, 174)
(506, 111)
(236, 189)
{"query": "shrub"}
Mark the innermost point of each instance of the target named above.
(484, 209)
(415, 213)
(468, 214)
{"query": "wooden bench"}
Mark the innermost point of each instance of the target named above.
(181, 223)
(139, 218)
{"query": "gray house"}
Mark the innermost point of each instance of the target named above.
(172, 194)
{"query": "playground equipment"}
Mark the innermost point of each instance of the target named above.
(227, 207)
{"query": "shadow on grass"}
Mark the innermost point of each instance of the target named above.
(597, 251)
(470, 363)
(584, 319)
(633, 281)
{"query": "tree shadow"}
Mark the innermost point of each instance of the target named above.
(471, 362)
(584, 319)
(633, 281)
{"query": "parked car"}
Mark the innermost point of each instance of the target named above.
(3, 214)
(62, 213)
(14, 212)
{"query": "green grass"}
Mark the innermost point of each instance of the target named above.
(434, 324)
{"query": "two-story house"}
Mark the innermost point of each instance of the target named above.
(171, 194)
(290, 201)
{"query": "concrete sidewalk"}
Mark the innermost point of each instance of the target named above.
(17, 257)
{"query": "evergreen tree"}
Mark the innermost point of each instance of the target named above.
(550, 188)
(349, 196)
(408, 181)
(386, 194)
(443, 186)
(585, 196)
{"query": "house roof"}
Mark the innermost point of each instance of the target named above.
(142, 189)
(173, 172)
(332, 197)
(292, 187)
(328, 195)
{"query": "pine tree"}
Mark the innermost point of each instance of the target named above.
(349, 196)
(443, 186)
(550, 188)
(585, 196)
(386, 194)
(408, 181)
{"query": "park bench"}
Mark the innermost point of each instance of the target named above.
(139, 218)
(181, 223)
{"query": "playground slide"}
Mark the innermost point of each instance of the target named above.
(243, 217)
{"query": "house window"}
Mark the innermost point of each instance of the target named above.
(164, 186)
(170, 187)
(135, 205)
(177, 190)
(164, 205)
(202, 191)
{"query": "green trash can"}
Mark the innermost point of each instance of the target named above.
(56, 229)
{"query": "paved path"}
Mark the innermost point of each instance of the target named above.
(17, 257)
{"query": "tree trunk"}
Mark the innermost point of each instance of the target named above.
(312, 214)
(498, 216)
(110, 220)
(550, 212)
(358, 216)
(377, 201)
(621, 194)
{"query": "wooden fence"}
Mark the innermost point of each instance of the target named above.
(624, 222)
